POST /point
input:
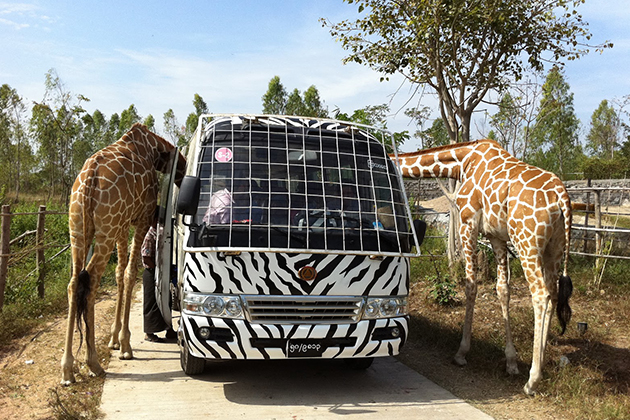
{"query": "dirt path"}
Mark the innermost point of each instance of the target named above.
(30, 367)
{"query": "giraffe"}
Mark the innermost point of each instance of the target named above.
(507, 200)
(116, 189)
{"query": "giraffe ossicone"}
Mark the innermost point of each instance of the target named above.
(115, 190)
(507, 201)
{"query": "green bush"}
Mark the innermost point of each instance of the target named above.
(23, 308)
(443, 290)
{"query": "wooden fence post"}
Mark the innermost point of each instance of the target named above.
(588, 204)
(41, 257)
(5, 239)
(598, 234)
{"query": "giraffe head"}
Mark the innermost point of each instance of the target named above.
(161, 149)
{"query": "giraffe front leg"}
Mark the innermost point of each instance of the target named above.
(503, 292)
(469, 243)
(122, 247)
(126, 352)
(131, 273)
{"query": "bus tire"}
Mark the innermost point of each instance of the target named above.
(191, 365)
(359, 363)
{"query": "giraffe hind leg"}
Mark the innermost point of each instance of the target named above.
(503, 293)
(543, 309)
(541, 275)
(95, 268)
(67, 360)
(91, 358)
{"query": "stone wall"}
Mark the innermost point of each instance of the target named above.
(616, 196)
(428, 189)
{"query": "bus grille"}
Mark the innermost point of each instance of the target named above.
(302, 309)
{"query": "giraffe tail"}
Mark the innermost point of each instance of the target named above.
(565, 285)
(83, 290)
(84, 283)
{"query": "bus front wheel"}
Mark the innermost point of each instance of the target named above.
(191, 365)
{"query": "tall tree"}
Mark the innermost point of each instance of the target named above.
(376, 116)
(193, 118)
(275, 99)
(419, 116)
(295, 104)
(56, 124)
(436, 135)
(92, 138)
(462, 49)
(15, 150)
(313, 103)
(603, 137)
(175, 132)
(555, 145)
(128, 118)
(513, 122)
(111, 135)
(149, 121)
(508, 124)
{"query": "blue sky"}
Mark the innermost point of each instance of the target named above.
(157, 55)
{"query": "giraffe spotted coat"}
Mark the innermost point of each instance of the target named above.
(115, 190)
(507, 200)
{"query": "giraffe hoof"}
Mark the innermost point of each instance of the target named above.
(68, 382)
(67, 376)
(460, 360)
(97, 371)
(127, 355)
(512, 370)
(528, 390)
(114, 345)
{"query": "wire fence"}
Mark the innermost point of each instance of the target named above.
(7, 257)
(595, 231)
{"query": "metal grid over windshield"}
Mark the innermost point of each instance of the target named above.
(290, 184)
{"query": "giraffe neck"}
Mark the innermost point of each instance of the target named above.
(438, 162)
(140, 141)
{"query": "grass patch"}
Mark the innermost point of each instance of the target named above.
(26, 315)
(595, 384)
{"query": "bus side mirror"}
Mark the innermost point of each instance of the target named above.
(420, 227)
(188, 199)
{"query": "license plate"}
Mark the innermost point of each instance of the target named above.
(305, 348)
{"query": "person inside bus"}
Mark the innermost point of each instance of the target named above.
(153, 321)
(220, 208)
(236, 207)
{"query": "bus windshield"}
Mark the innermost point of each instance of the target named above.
(284, 186)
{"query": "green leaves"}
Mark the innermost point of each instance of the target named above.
(555, 145)
(462, 49)
(603, 136)
(277, 101)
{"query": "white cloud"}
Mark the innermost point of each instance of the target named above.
(15, 25)
(22, 15)
(8, 8)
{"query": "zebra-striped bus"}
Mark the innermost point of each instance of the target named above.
(289, 237)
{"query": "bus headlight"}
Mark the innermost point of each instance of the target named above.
(221, 306)
(213, 305)
(384, 307)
